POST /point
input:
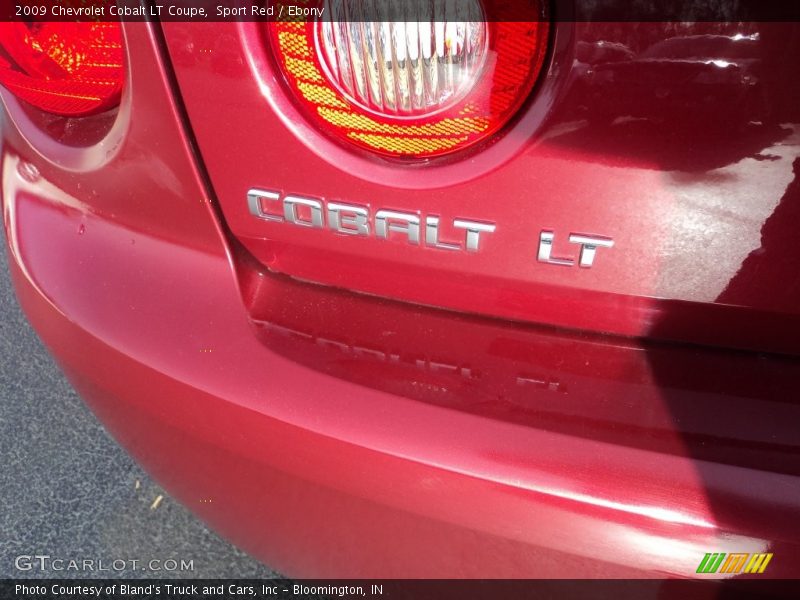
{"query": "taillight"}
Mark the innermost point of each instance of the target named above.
(69, 69)
(434, 77)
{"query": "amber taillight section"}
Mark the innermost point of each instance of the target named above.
(70, 69)
(412, 89)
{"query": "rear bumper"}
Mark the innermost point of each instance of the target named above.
(320, 474)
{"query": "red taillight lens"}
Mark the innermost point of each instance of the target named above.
(412, 88)
(69, 69)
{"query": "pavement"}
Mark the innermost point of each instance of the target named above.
(67, 490)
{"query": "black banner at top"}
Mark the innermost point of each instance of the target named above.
(400, 10)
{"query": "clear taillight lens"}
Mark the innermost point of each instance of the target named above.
(421, 78)
(406, 67)
(69, 69)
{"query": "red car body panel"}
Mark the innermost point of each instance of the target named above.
(335, 434)
(684, 195)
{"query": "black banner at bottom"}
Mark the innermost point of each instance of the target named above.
(283, 589)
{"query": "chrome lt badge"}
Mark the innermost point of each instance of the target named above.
(589, 245)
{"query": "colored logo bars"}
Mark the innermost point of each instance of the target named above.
(752, 563)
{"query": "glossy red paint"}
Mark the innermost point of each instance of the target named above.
(338, 434)
(682, 176)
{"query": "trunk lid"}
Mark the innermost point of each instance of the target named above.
(699, 196)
